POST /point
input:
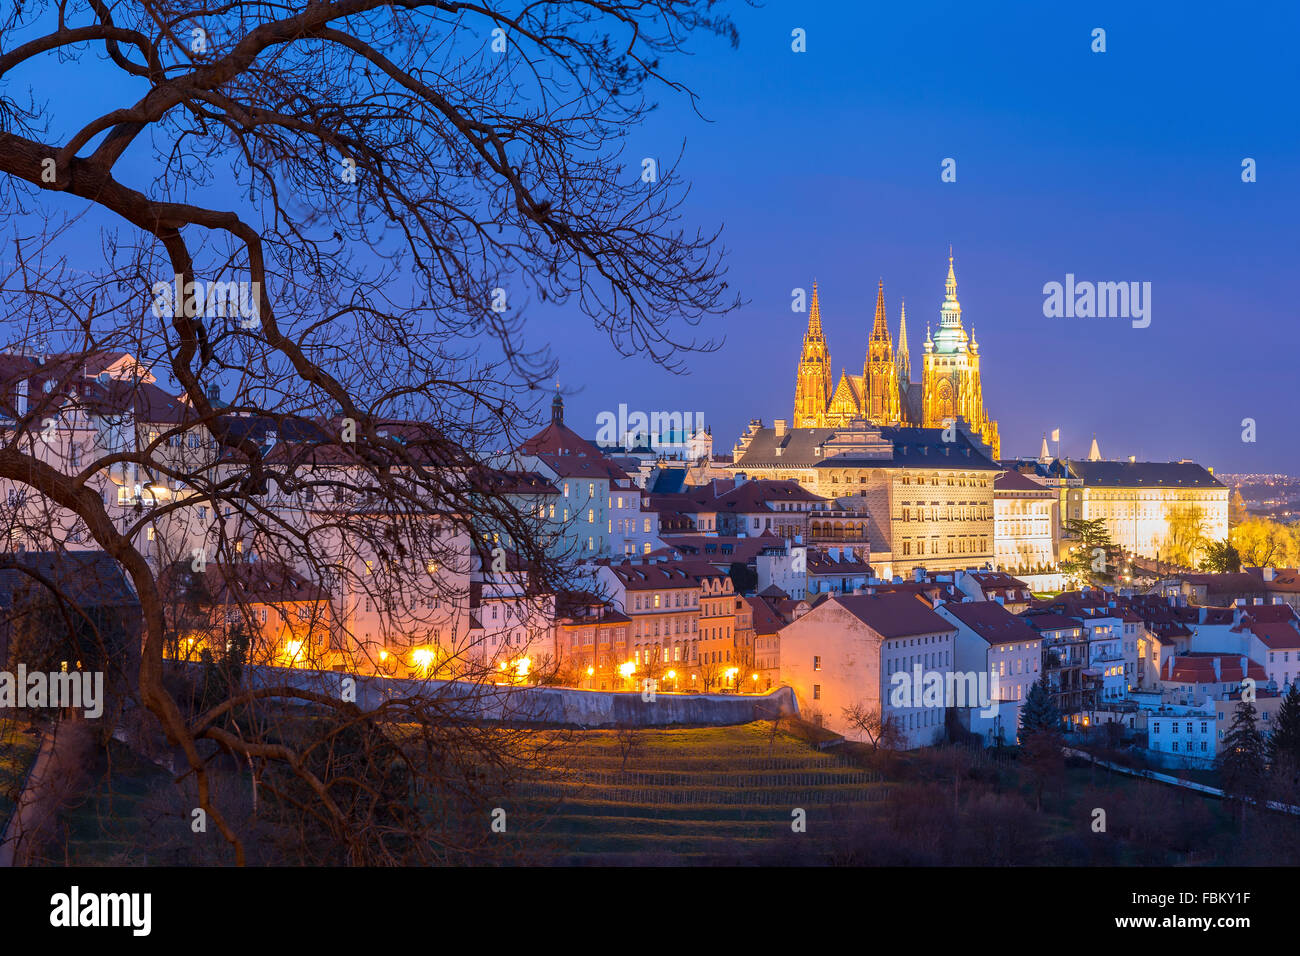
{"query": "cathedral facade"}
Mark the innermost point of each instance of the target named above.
(884, 394)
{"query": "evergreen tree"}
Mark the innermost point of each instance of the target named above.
(1093, 556)
(1243, 758)
(1040, 739)
(1284, 744)
(1039, 715)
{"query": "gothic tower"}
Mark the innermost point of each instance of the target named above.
(904, 358)
(812, 390)
(950, 382)
(880, 374)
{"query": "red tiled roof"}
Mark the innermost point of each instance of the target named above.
(1285, 580)
(766, 620)
(1015, 481)
(570, 455)
(1051, 622)
(1276, 636)
(993, 622)
(664, 574)
(893, 615)
(261, 582)
(1198, 668)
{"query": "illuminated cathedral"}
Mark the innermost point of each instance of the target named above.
(884, 394)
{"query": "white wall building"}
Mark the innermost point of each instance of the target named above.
(846, 652)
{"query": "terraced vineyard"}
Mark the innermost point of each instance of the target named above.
(685, 796)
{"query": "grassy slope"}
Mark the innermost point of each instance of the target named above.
(685, 794)
(17, 751)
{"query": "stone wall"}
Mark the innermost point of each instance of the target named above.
(555, 706)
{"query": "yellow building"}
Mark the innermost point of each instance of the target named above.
(907, 496)
(1149, 507)
(884, 394)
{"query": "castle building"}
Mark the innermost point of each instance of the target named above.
(884, 394)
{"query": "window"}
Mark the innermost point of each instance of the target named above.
(817, 663)
(817, 691)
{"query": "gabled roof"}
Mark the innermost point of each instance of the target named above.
(999, 582)
(992, 622)
(766, 620)
(570, 455)
(1012, 481)
(1285, 580)
(1047, 621)
(255, 582)
(85, 579)
(664, 574)
(893, 615)
(1198, 668)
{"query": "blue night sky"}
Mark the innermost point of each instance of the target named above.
(1120, 166)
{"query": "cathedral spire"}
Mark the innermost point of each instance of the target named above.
(904, 358)
(812, 393)
(880, 373)
(880, 330)
(1094, 453)
(951, 337)
(815, 314)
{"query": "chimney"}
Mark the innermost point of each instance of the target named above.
(1218, 670)
(20, 400)
(1270, 574)
(778, 427)
(1245, 663)
(918, 575)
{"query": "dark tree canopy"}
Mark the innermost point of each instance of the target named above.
(272, 305)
